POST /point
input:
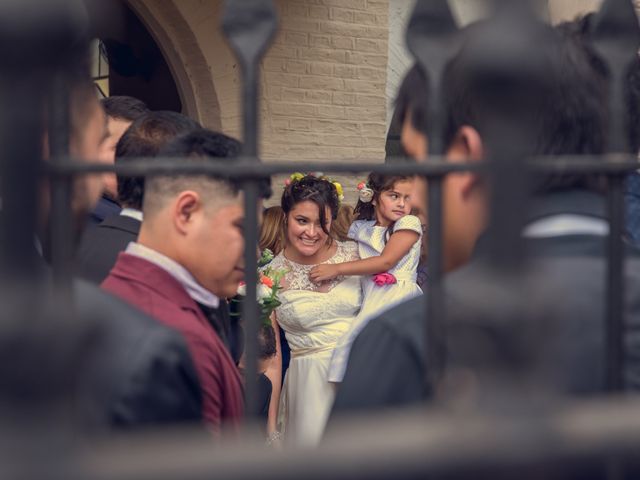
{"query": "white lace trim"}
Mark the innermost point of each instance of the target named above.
(297, 277)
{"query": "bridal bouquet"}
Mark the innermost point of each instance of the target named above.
(269, 285)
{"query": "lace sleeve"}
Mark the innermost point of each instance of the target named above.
(348, 251)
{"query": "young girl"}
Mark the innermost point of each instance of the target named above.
(389, 245)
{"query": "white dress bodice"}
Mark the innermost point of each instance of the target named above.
(314, 319)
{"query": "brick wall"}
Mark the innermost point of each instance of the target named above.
(324, 83)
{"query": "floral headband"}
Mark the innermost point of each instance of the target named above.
(296, 177)
(365, 193)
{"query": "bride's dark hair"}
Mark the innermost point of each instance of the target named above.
(319, 191)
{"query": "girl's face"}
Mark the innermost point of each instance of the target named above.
(304, 231)
(391, 205)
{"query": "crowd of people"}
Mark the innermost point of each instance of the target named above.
(162, 260)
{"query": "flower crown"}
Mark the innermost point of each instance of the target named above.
(296, 177)
(365, 193)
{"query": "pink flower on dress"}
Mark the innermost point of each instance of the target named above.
(382, 279)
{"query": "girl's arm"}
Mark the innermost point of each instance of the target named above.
(399, 245)
(274, 374)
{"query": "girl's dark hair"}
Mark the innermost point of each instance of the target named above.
(317, 190)
(378, 183)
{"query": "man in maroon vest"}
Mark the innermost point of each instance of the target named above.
(187, 259)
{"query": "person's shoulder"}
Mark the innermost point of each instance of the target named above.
(408, 222)
(356, 226)
(277, 263)
(405, 322)
(114, 310)
(136, 360)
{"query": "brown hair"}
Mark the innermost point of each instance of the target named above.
(317, 190)
(340, 228)
(272, 230)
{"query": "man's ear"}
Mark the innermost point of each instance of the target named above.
(467, 146)
(185, 206)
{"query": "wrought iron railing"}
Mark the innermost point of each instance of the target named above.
(40, 38)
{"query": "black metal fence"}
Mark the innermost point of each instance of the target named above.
(35, 36)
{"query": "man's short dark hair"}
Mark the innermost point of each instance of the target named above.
(412, 99)
(145, 138)
(124, 108)
(204, 146)
(569, 113)
(206, 143)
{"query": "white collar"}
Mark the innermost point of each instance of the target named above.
(131, 213)
(562, 225)
(177, 271)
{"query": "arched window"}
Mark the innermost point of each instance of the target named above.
(128, 61)
(100, 68)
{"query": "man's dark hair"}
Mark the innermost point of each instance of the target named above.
(145, 138)
(206, 143)
(204, 146)
(266, 342)
(124, 108)
(579, 30)
(412, 99)
(567, 115)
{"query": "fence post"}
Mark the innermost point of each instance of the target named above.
(431, 39)
(250, 26)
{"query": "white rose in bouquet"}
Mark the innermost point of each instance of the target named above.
(262, 291)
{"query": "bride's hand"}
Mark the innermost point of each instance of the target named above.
(323, 273)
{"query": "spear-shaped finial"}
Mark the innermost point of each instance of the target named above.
(250, 26)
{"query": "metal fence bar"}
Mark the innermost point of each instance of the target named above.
(611, 427)
(617, 38)
(436, 166)
(615, 360)
(407, 444)
(61, 190)
(19, 158)
(250, 27)
(430, 36)
(434, 330)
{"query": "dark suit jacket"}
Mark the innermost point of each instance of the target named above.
(157, 293)
(101, 244)
(105, 208)
(138, 373)
(563, 322)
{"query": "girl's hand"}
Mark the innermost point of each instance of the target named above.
(323, 273)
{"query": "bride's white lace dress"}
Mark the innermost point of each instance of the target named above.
(313, 318)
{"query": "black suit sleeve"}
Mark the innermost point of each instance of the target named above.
(384, 371)
(162, 388)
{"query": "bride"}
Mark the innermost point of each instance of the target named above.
(313, 317)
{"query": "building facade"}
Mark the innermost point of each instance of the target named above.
(327, 83)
